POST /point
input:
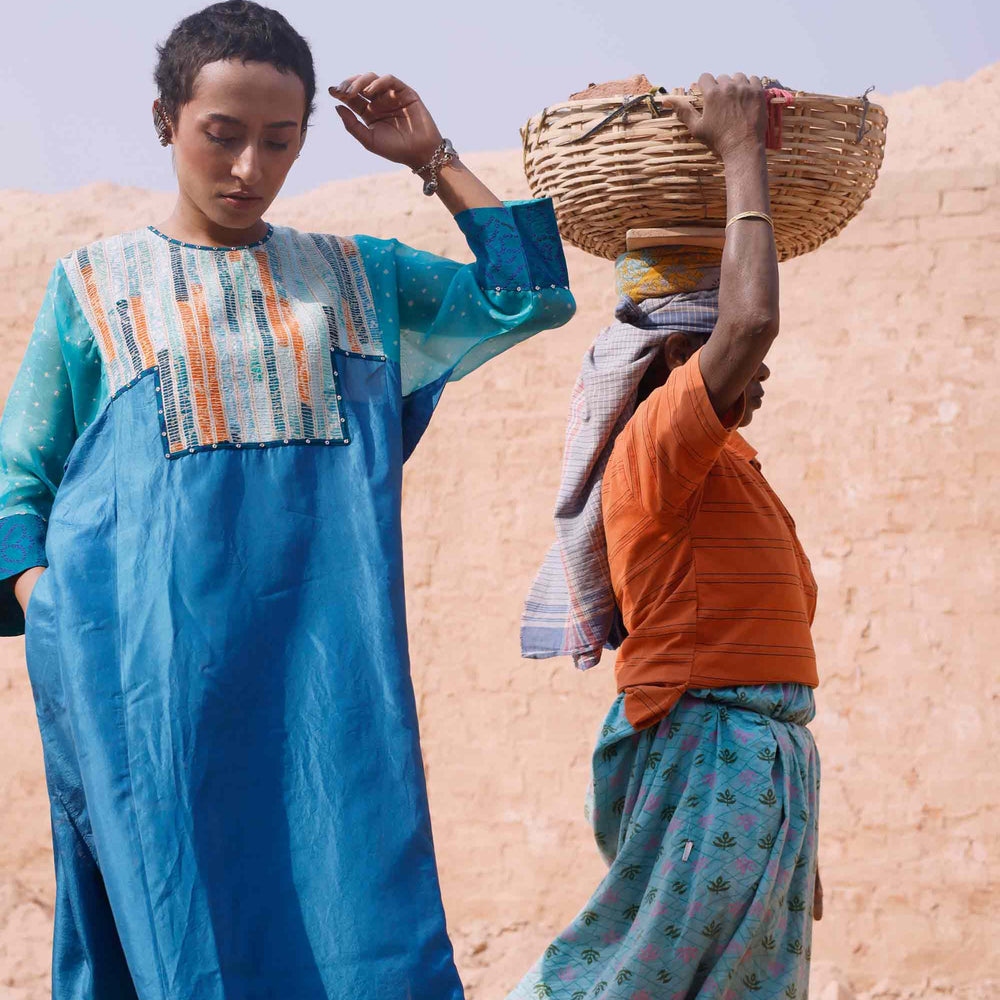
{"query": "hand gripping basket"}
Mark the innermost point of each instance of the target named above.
(644, 170)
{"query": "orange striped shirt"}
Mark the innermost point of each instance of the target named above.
(713, 585)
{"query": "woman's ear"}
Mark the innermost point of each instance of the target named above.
(302, 140)
(677, 349)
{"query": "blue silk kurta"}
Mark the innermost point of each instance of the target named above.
(205, 446)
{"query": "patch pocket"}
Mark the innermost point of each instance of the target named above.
(361, 379)
(366, 405)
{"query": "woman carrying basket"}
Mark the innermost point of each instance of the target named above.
(705, 778)
(204, 445)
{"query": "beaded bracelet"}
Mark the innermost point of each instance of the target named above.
(751, 215)
(445, 153)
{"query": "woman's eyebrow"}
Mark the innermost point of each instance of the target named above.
(229, 120)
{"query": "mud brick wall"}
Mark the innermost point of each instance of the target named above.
(879, 431)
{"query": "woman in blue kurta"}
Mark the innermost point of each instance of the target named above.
(204, 446)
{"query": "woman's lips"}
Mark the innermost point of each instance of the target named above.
(240, 200)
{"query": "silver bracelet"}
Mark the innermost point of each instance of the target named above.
(445, 153)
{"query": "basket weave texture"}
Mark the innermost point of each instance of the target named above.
(642, 171)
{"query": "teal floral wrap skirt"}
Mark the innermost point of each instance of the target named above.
(708, 822)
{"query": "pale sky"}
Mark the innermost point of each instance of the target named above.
(77, 78)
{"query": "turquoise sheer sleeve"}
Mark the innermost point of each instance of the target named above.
(443, 319)
(56, 393)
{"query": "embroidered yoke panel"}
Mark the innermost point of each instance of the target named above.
(242, 341)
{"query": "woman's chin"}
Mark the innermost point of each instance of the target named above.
(236, 217)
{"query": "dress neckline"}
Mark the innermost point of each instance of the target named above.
(197, 246)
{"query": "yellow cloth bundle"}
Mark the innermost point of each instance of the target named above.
(656, 272)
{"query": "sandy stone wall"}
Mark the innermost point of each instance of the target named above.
(878, 433)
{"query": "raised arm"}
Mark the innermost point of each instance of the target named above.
(733, 124)
(390, 120)
(453, 317)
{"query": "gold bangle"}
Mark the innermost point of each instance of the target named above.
(751, 215)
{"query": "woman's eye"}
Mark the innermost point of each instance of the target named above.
(221, 140)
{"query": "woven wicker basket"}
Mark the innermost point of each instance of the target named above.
(642, 171)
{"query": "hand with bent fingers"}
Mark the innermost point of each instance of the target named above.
(734, 115)
(388, 118)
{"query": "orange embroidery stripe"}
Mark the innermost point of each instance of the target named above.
(284, 325)
(271, 300)
(299, 347)
(350, 252)
(196, 371)
(142, 332)
(93, 296)
(217, 414)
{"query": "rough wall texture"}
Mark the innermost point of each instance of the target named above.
(878, 434)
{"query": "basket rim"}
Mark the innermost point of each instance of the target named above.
(611, 101)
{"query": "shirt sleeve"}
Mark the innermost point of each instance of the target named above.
(673, 440)
(55, 393)
(443, 319)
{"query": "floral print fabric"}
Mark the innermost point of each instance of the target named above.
(708, 822)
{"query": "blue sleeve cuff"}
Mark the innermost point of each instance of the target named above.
(22, 545)
(517, 247)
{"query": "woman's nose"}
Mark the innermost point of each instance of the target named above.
(763, 373)
(247, 166)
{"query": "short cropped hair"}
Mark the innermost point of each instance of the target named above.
(234, 29)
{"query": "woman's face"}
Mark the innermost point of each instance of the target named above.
(235, 141)
(755, 393)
